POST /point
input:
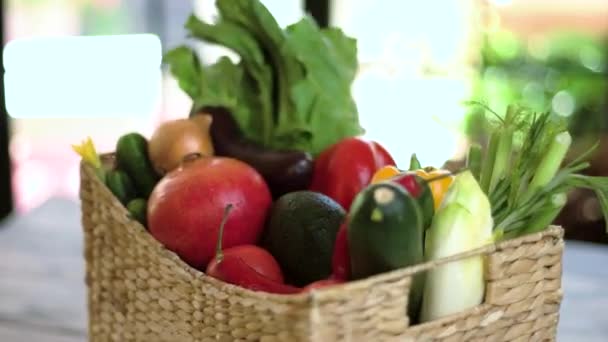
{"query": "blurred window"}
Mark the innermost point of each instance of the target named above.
(416, 62)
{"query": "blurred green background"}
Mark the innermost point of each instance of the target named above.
(564, 72)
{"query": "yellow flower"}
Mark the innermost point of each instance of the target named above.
(88, 152)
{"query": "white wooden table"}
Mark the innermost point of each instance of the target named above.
(43, 297)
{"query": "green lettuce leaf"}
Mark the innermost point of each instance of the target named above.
(244, 44)
(185, 66)
(292, 86)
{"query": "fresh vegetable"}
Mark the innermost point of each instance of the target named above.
(132, 157)
(138, 209)
(340, 261)
(385, 232)
(255, 257)
(420, 190)
(301, 235)
(384, 173)
(439, 186)
(344, 169)
(474, 157)
(530, 191)
(235, 270)
(414, 163)
(320, 284)
(291, 89)
(248, 266)
(173, 140)
(284, 171)
(185, 208)
(121, 185)
(550, 162)
(87, 151)
(462, 223)
(411, 181)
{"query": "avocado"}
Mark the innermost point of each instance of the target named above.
(301, 233)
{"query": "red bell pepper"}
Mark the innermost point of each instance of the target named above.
(344, 169)
(248, 266)
(340, 262)
(234, 270)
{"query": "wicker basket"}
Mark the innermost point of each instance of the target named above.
(139, 291)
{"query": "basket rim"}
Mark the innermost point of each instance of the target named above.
(88, 175)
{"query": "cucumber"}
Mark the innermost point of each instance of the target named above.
(121, 185)
(132, 156)
(385, 233)
(138, 208)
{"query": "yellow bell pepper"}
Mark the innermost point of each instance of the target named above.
(438, 187)
(384, 173)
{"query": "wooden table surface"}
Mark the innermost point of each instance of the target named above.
(42, 292)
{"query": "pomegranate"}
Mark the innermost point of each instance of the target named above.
(186, 207)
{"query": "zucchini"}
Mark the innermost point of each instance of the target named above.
(385, 233)
(421, 191)
(121, 185)
(132, 156)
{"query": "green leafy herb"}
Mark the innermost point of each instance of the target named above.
(529, 195)
(291, 88)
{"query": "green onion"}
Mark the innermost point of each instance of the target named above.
(552, 160)
(502, 158)
(543, 218)
(488, 162)
(527, 184)
(474, 160)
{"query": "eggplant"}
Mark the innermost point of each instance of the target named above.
(283, 170)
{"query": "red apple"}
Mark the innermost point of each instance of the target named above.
(186, 207)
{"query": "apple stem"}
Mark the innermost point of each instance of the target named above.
(219, 255)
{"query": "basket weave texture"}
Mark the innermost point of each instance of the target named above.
(140, 291)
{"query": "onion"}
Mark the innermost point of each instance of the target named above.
(176, 139)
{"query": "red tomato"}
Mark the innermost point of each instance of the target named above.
(340, 262)
(186, 208)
